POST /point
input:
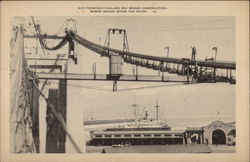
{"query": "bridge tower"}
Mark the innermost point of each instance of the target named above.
(115, 61)
(74, 112)
(70, 24)
(117, 31)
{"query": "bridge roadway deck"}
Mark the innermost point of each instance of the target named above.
(105, 77)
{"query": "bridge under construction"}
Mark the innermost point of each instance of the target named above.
(196, 71)
(53, 121)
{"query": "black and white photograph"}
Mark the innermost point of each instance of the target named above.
(124, 85)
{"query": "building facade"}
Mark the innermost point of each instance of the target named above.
(216, 132)
(138, 137)
(219, 132)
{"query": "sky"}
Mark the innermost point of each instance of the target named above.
(180, 105)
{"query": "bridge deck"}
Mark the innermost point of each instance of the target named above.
(105, 77)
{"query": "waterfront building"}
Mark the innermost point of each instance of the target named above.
(216, 132)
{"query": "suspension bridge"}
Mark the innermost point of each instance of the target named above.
(196, 71)
(55, 100)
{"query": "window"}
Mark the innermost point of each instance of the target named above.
(127, 135)
(137, 135)
(98, 135)
(166, 135)
(108, 135)
(147, 135)
(117, 135)
(157, 135)
(178, 135)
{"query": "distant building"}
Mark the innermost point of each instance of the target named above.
(219, 132)
(216, 132)
(147, 137)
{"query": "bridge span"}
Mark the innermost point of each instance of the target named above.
(55, 103)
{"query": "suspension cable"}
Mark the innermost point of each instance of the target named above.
(105, 51)
(40, 37)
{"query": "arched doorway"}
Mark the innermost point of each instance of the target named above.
(218, 137)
